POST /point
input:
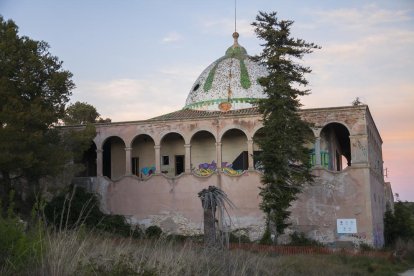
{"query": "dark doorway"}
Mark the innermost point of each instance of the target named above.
(135, 165)
(179, 164)
(241, 162)
(106, 156)
(88, 161)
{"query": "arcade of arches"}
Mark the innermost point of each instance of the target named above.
(172, 156)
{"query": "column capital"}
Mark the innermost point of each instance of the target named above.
(99, 150)
(187, 145)
(128, 149)
(218, 143)
(157, 146)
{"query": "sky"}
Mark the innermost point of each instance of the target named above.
(135, 60)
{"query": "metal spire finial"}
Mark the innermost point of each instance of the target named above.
(235, 16)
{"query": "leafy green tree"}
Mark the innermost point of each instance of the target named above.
(284, 157)
(34, 89)
(80, 113)
(398, 224)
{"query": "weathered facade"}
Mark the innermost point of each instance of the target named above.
(151, 171)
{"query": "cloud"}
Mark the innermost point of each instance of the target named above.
(128, 99)
(367, 16)
(172, 37)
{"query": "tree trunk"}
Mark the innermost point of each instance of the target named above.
(209, 228)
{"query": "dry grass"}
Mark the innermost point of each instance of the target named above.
(87, 253)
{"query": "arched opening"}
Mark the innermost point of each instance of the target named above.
(113, 157)
(172, 154)
(88, 161)
(234, 150)
(143, 156)
(335, 147)
(259, 134)
(203, 152)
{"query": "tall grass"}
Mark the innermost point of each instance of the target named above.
(79, 252)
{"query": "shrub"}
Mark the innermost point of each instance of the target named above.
(78, 207)
(267, 237)
(239, 238)
(18, 248)
(300, 239)
(153, 231)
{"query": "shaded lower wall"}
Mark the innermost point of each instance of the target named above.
(173, 204)
(335, 195)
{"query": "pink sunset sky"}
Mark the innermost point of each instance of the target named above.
(135, 60)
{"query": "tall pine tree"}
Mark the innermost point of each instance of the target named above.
(284, 157)
(34, 89)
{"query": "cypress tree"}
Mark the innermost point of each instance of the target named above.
(284, 156)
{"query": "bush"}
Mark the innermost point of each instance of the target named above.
(267, 237)
(153, 231)
(300, 239)
(78, 207)
(18, 248)
(238, 238)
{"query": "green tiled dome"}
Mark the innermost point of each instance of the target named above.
(229, 83)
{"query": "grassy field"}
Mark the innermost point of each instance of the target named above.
(79, 252)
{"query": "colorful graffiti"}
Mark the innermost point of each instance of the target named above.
(227, 169)
(147, 171)
(206, 169)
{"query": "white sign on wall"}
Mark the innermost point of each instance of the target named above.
(346, 226)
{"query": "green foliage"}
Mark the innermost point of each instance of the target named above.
(238, 238)
(80, 113)
(398, 224)
(267, 237)
(34, 89)
(285, 158)
(153, 232)
(78, 207)
(299, 239)
(18, 247)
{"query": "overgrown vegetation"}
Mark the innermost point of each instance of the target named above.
(82, 252)
(34, 89)
(77, 207)
(399, 224)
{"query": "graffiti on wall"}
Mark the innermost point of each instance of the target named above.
(147, 171)
(207, 169)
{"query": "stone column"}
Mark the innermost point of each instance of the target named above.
(187, 161)
(250, 153)
(128, 167)
(218, 154)
(318, 151)
(99, 162)
(157, 158)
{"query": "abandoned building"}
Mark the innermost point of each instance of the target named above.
(150, 171)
